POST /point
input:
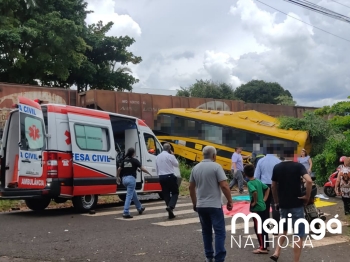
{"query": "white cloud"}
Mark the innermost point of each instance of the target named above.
(104, 11)
(304, 61)
(235, 42)
(220, 67)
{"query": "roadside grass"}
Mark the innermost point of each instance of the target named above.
(8, 205)
(185, 171)
(348, 228)
(184, 188)
(15, 205)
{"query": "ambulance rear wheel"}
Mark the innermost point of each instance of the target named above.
(85, 203)
(38, 204)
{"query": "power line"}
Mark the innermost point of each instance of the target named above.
(304, 22)
(319, 9)
(340, 3)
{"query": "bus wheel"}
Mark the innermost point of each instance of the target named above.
(85, 203)
(38, 204)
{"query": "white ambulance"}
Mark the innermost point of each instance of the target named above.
(63, 152)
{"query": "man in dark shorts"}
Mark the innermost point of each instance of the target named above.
(287, 193)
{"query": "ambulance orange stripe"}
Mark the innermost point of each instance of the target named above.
(98, 190)
(28, 102)
(77, 110)
(152, 187)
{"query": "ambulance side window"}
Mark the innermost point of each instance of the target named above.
(32, 133)
(152, 146)
(92, 137)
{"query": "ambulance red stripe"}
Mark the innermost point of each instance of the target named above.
(76, 110)
(28, 102)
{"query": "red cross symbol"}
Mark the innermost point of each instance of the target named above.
(34, 132)
(67, 134)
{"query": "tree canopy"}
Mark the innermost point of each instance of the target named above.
(208, 89)
(258, 91)
(47, 42)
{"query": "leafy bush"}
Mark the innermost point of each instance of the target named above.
(319, 129)
(325, 163)
(185, 170)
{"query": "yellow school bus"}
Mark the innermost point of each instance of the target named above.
(189, 130)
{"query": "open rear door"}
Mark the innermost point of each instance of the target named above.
(94, 160)
(32, 143)
(132, 140)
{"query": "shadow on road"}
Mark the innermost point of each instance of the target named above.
(63, 211)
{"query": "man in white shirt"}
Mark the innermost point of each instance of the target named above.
(166, 162)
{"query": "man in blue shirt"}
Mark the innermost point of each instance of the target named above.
(263, 172)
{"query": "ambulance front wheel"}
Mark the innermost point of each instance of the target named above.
(38, 204)
(85, 203)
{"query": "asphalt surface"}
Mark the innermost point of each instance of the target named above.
(63, 235)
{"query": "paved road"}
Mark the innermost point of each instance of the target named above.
(62, 235)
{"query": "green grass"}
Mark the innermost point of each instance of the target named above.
(185, 170)
(7, 205)
(184, 188)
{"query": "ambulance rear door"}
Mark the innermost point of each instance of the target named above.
(32, 144)
(94, 160)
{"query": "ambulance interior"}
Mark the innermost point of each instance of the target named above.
(125, 135)
(8, 174)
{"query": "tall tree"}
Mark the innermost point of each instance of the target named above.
(100, 70)
(208, 89)
(47, 42)
(258, 91)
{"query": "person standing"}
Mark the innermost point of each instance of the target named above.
(287, 193)
(306, 161)
(259, 193)
(263, 172)
(209, 180)
(127, 172)
(237, 169)
(165, 163)
(342, 185)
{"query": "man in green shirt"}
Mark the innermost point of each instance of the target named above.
(258, 192)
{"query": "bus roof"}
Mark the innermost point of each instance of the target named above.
(250, 120)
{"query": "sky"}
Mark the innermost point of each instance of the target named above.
(234, 42)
